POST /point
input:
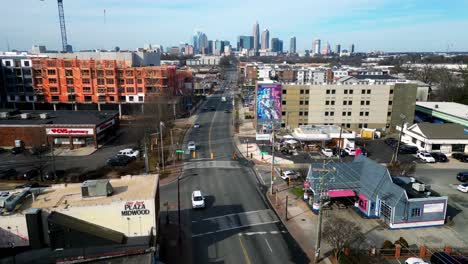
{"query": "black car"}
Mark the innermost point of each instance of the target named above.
(54, 175)
(30, 185)
(342, 152)
(460, 156)
(407, 149)
(119, 161)
(4, 174)
(39, 150)
(213, 109)
(17, 150)
(439, 157)
(462, 176)
(391, 142)
(365, 152)
(29, 174)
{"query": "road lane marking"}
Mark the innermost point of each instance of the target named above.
(268, 244)
(235, 227)
(262, 233)
(221, 216)
(246, 255)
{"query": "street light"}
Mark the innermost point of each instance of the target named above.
(403, 119)
(161, 124)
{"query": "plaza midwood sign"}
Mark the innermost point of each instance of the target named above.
(135, 208)
(69, 131)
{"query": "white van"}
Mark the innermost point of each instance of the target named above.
(223, 99)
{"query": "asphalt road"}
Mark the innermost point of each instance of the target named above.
(237, 225)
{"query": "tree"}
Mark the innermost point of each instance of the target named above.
(341, 233)
(401, 168)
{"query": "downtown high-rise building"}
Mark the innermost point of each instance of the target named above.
(256, 36)
(338, 49)
(316, 47)
(351, 48)
(292, 45)
(326, 50)
(200, 43)
(265, 39)
(276, 45)
(245, 42)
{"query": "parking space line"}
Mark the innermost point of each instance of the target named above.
(244, 251)
(268, 244)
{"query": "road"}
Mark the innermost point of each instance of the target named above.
(237, 225)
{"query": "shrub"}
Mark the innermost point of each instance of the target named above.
(402, 242)
(388, 245)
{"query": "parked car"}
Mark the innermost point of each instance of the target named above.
(129, 152)
(191, 145)
(460, 156)
(463, 187)
(119, 160)
(39, 150)
(462, 176)
(439, 157)
(350, 151)
(365, 152)
(5, 174)
(289, 175)
(17, 150)
(2, 150)
(213, 109)
(415, 261)
(407, 149)
(445, 258)
(425, 156)
(327, 152)
(342, 152)
(198, 201)
(29, 174)
(54, 175)
(391, 142)
(196, 125)
(31, 185)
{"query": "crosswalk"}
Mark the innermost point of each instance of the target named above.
(229, 222)
(207, 164)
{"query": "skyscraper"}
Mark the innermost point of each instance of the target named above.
(256, 36)
(351, 48)
(316, 48)
(276, 45)
(338, 49)
(265, 39)
(292, 45)
(210, 47)
(200, 42)
(279, 48)
(326, 50)
(244, 42)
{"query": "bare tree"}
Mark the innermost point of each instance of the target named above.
(341, 233)
(401, 168)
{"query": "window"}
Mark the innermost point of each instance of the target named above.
(88, 98)
(130, 98)
(389, 113)
(301, 91)
(100, 73)
(363, 91)
(332, 113)
(53, 89)
(435, 146)
(345, 102)
(68, 73)
(86, 81)
(70, 89)
(121, 81)
(51, 72)
(366, 113)
(333, 91)
(129, 81)
(130, 90)
(100, 81)
(85, 72)
(367, 102)
(368, 91)
(326, 113)
(415, 212)
(283, 113)
(348, 125)
(111, 98)
(140, 98)
(52, 80)
(307, 91)
(349, 113)
(345, 91)
(360, 126)
(306, 113)
(301, 102)
(69, 81)
(300, 113)
(362, 102)
(332, 102)
(110, 81)
(140, 89)
(8, 63)
(283, 102)
(327, 102)
(390, 102)
(350, 102)
(306, 102)
(71, 97)
(365, 125)
(328, 91)
(458, 148)
(343, 113)
(86, 89)
(140, 81)
(391, 91)
(350, 91)
(361, 113)
(284, 91)
(108, 72)
(55, 98)
(110, 89)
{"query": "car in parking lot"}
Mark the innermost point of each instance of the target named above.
(365, 152)
(17, 150)
(439, 157)
(30, 185)
(212, 109)
(196, 125)
(350, 151)
(289, 175)
(327, 152)
(425, 156)
(29, 174)
(391, 142)
(463, 187)
(54, 175)
(415, 261)
(460, 156)
(462, 176)
(342, 152)
(119, 160)
(129, 152)
(407, 149)
(4, 174)
(39, 150)
(198, 201)
(191, 145)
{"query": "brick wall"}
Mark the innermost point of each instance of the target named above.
(31, 136)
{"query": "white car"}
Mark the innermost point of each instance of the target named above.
(289, 174)
(191, 145)
(425, 156)
(327, 152)
(196, 125)
(198, 201)
(133, 153)
(463, 187)
(350, 151)
(415, 261)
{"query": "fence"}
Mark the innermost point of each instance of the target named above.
(406, 252)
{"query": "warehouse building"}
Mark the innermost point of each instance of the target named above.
(91, 220)
(69, 129)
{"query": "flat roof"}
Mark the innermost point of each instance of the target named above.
(450, 108)
(60, 117)
(60, 196)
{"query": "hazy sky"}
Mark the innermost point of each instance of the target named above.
(389, 25)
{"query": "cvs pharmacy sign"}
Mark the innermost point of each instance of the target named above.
(69, 131)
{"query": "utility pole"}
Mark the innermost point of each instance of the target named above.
(272, 160)
(339, 142)
(403, 118)
(145, 138)
(247, 148)
(161, 124)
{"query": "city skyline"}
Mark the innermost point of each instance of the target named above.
(370, 25)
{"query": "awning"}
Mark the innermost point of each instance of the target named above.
(288, 137)
(341, 193)
(291, 141)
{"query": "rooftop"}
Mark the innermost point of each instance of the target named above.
(440, 131)
(61, 117)
(69, 195)
(450, 108)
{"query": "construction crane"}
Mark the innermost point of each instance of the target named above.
(63, 30)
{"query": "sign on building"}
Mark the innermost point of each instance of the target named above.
(268, 104)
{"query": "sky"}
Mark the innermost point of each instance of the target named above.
(387, 25)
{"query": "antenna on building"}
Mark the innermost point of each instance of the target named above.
(104, 16)
(8, 44)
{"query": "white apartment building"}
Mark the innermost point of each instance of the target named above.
(311, 76)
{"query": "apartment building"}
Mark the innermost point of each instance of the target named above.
(350, 102)
(16, 81)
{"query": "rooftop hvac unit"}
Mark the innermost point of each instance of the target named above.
(25, 116)
(4, 115)
(96, 188)
(44, 116)
(418, 187)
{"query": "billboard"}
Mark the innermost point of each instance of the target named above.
(268, 107)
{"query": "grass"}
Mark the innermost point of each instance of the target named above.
(298, 191)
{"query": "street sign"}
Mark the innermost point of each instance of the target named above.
(262, 136)
(179, 151)
(264, 152)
